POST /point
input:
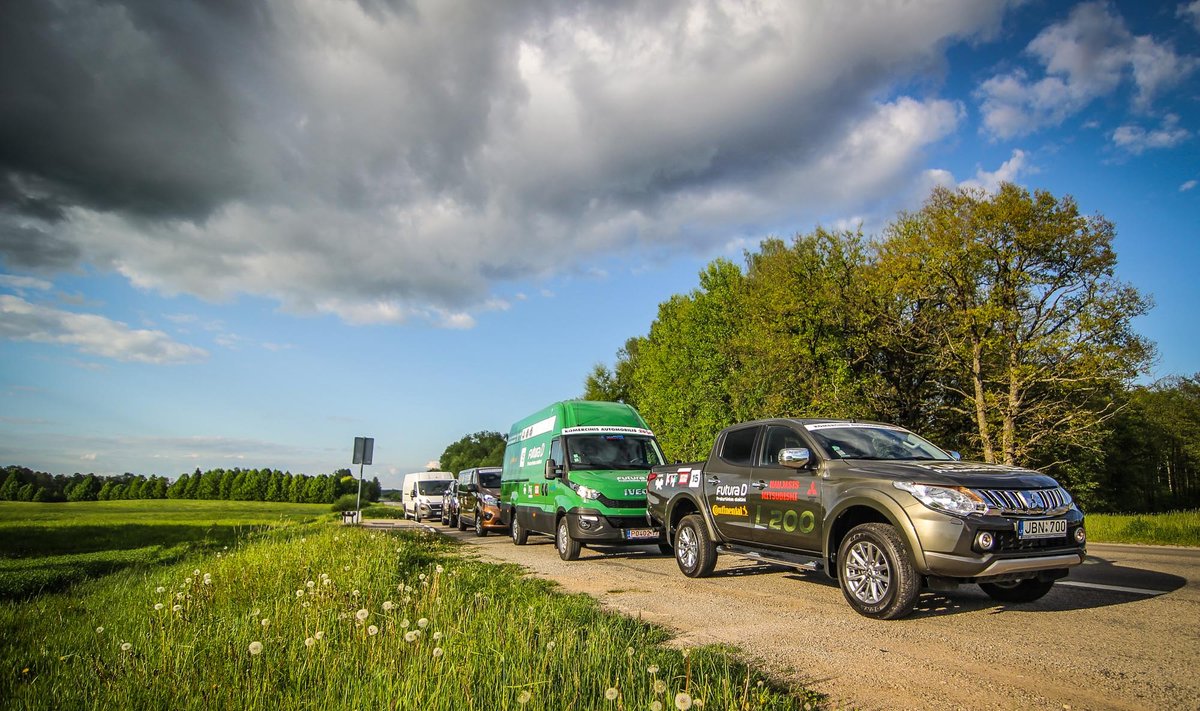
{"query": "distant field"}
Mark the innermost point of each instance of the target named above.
(321, 616)
(1177, 528)
(46, 547)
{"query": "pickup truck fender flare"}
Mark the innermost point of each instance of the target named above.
(695, 503)
(881, 503)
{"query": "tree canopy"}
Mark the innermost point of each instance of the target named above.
(481, 449)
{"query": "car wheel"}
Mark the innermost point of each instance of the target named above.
(479, 529)
(875, 573)
(417, 515)
(694, 550)
(568, 548)
(1018, 590)
(519, 534)
(462, 525)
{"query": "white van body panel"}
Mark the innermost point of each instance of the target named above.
(412, 506)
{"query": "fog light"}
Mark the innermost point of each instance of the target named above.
(1080, 536)
(588, 521)
(984, 540)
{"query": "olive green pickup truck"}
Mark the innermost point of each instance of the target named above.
(878, 508)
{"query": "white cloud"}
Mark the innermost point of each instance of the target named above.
(1191, 13)
(1008, 172)
(1187, 186)
(1084, 58)
(389, 165)
(1136, 139)
(23, 283)
(96, 335)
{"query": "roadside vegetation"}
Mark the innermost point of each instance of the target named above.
(316, 615)
(1176, 528)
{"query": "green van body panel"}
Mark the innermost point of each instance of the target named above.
(617, 515)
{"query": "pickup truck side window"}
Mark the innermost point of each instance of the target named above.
(738, 447)
(778, 438)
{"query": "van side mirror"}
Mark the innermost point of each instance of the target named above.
(470, 488)
(552, 469)
(795, 458)
(955, 456)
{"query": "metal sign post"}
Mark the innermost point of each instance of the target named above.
(364, 447)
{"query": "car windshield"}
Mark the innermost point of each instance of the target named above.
(489, 480)
(436, 487)
(613, 451)
(867, 441)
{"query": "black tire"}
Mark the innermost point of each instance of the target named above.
(875, 572)
(1018, 590)
(445, 520)
(479, 529)
(666, 549)
(694, 551)
(568, 547)
(459, 522)
(519, 535)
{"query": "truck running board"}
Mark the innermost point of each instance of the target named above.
(792, 560)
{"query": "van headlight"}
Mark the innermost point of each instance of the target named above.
(955, 500)
(585, 492)
(489, 499)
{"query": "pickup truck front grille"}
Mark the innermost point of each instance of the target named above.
(1026, 502)
(1008, 542)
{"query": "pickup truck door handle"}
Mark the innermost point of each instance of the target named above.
(713, 480)
(760, 484)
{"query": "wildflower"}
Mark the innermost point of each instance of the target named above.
(387, 605)
(683, 701)
(176, 608)
(437, 636)
(551, 645)
(256, 647)
(319, 634)
(421, 576)
(653, 669)
(100, 630)
(187, 581)
(345, 569)
(309, 584)
(309, 641)
(610, 693)
(256, 612)
(437, 652)
(196, 571)
(523, 697)
(208, 581)
(353, 593)
(422, 623)
(362, 614)
(659, 686)
(158, 606)
(304, 604)
(159, 589)
(404, 622)
(266, 623)
(656, 705)
(178, 596)
(326, 581)
(299, 593)
(126, 646)
(372, 630)
(439, 568)
(410, 636)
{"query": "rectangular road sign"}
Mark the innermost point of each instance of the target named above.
(364, 447)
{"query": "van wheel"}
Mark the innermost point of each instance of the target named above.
(519, 534)
(417, 515)
(694, 550)
(1018, 590)
(568, 548)
(462, 525)
(875, 573)
(479, 529)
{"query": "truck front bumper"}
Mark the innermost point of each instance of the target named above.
(591, 526)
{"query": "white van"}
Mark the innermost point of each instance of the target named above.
(421, 496)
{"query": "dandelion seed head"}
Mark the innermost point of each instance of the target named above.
(126, 646)
(319, 634)
(309, 641)
(387, 605)
(326, 581)
(523, 697)
(421, 576)
(410, 636)
(404, 622)
(256, 647)
(437, 636)
(256, 612)
(160, 589)
(372, 630)
(551, 645)
(345, 569)
(310, 584)
(305, 604)
(353, 593)
(629, 651)
(683, 701)
(178, 596)
(653, 669)
(299, 593)
(176, 608)
(100, 630)
(759, 684)
(265, 622)
(439, 569)
(656, 706)
(158, 606)
(610, 693)
(698, 703)
(208, 581)
(437, 652)
(362, 614)
(196, 571)
(423, 623)
(187, 581)
(659, 686)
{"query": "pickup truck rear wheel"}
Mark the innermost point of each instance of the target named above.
(568, 548)
(1018, 590)
(694, 551)
(875, 573)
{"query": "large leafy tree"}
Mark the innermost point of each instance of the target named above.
(481, 449)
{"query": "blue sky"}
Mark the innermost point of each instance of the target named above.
(244, 235)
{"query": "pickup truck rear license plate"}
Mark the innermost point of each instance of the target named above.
(638, 533)
(1055, 528)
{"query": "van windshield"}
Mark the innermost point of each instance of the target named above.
(489, 480)
(436, 487)
(613, 451)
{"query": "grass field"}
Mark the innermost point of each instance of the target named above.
(316, 616)
(47, 547)
(1177, 528)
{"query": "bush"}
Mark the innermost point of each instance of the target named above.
(346, 502)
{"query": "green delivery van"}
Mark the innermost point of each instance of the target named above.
(576, 470)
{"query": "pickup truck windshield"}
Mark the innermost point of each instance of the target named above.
(436, 487)
(612, 451)
(874, 442)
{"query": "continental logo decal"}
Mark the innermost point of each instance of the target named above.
(719, 510)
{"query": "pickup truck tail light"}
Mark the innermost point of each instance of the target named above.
(651, 477)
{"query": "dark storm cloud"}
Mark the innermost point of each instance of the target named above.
(384, 160)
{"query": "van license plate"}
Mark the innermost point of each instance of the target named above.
(1056, 528)
(640, 533)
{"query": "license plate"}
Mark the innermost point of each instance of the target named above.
(1056, 528)
(640, 533)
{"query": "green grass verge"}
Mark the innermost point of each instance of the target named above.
(324, 616)
(1176, 528)
(380, 511)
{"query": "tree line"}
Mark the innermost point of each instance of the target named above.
(23, 484)
(992, 323)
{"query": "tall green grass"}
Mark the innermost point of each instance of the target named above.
(325, 616)
(1177, 528)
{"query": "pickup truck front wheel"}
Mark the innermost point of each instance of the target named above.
(875, 573)
(694, 551)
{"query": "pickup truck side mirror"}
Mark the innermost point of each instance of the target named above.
(795, 458)
(552, 469)
(955, 456)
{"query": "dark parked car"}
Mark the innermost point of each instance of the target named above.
(476, 501)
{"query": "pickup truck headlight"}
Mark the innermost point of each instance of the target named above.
(952, 500)
(489, 499)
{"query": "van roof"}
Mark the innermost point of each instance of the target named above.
(584, 413)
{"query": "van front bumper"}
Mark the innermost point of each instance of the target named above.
(591, 526)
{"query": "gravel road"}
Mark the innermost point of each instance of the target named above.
(1078, 648)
